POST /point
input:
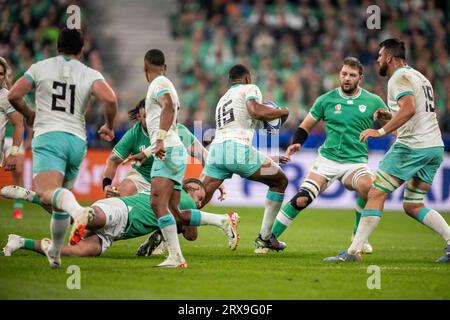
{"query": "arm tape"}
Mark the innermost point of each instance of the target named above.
(106, 182)
(300, 136)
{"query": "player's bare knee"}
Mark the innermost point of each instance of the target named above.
(302, 202)
(412, 208)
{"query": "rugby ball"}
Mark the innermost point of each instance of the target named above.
(273, 125)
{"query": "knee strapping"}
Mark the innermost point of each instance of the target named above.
(359, 174)
(385, 182)
(309, 190)
(413, 195)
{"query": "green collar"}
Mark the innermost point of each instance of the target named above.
(235, 85)
(339, 90)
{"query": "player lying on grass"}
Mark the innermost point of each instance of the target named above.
(415, 156)
(134, 142)
(121, 218)
(346, 111)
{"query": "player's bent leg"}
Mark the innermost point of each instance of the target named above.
(309, 190)
(413, 204)
(127, 188)
(211, 185)
(271, 175)
(21, 193)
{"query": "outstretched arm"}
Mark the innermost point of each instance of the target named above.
(301, 135)
(407, 110)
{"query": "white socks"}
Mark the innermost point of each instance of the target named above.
(436, 222)
(212, 219)
(272, 207)
(366, 226)
(64, 200)
(58, 227)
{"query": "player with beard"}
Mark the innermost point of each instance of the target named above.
(415, 156)
(346, 112)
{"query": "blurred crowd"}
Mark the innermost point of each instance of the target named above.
(29, 31)
(295, 48)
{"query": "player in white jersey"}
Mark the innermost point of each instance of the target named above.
(169, 166)
(414, 157)
(238, 113)
(63, 86)
(8, 114)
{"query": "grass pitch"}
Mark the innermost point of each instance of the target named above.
(403, 249)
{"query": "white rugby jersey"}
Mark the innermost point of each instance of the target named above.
(422, 130)
(63, 88)
(232, 119)
(159, 86)
(5, 110)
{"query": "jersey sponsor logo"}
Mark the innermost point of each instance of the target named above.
(338, 108)
(362, 108)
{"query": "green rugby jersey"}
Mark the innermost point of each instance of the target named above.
(9, 130)
(141, 218)
(345, 118)
(136, 140)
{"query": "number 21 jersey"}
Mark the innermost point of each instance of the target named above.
(63, 88)
(232, 119)
(422, 130)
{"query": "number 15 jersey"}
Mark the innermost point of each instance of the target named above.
(63, 88)
(422, 130)
(232, 119)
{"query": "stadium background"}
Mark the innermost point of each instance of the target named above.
(293, 48)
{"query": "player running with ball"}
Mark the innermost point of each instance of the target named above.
(346, 112)
(238, 114)
(414, 157)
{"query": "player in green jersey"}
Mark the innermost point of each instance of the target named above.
(346, 112)
(121, 218)
(412, 160)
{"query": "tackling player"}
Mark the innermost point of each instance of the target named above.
(238, 114)
(415, 156)
(63, 87)
(346, 112)
(126, 218)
